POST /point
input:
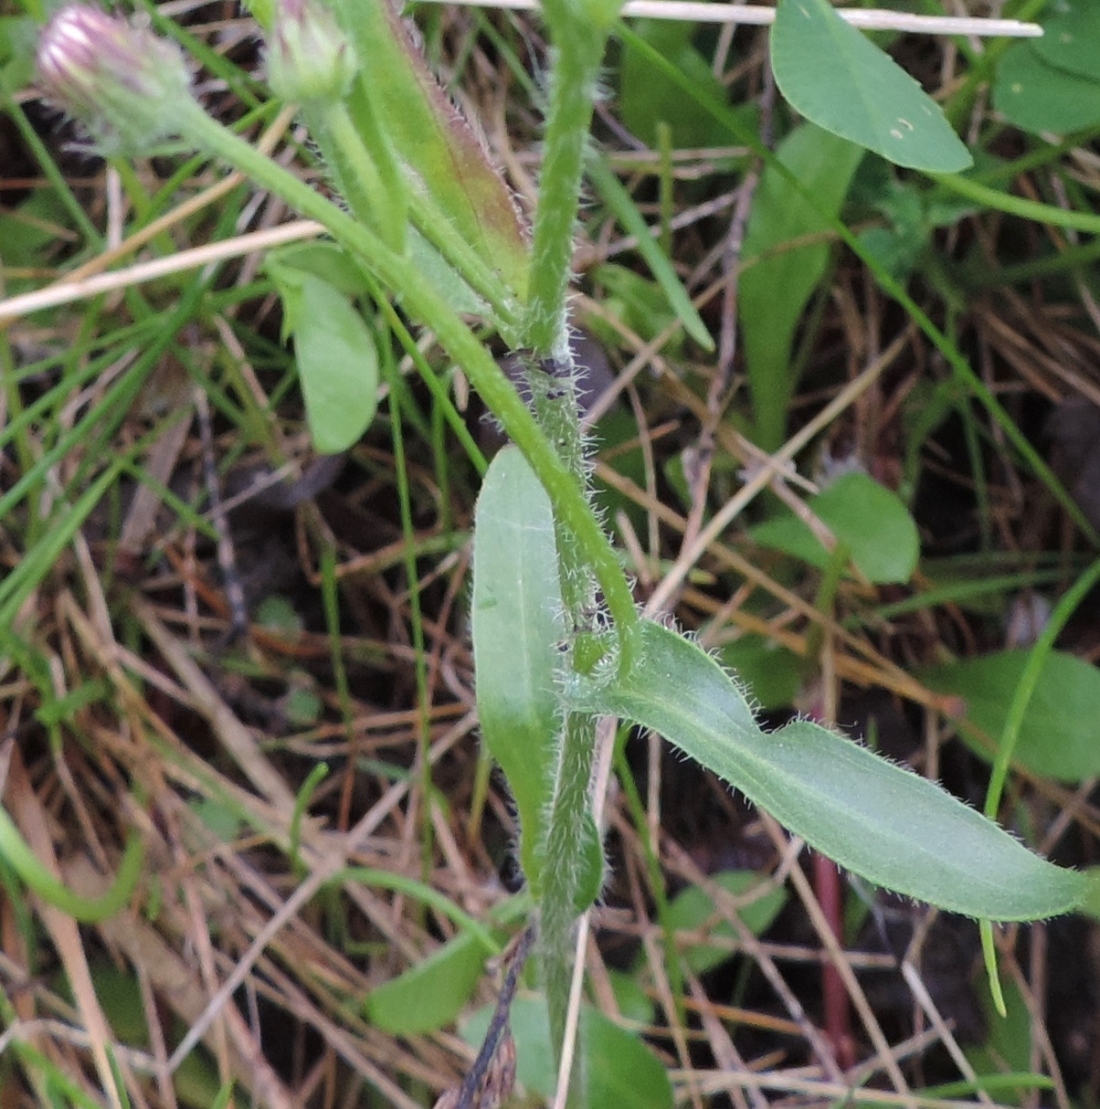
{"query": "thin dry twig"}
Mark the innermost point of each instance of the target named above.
(867, 20)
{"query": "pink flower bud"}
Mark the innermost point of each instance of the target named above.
(122, 82)
(308, 56)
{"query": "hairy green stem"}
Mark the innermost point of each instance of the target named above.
(378, 202)
(571, 835)
(554, 392)
(573, 867)
(576, 66)
(422, 300)
(571, 838)
(555, 452)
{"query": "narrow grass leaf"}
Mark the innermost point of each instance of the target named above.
(835, 76)
(626, 212)
(883, 822)
(90, 910)
(1057, 737)
(517, 625)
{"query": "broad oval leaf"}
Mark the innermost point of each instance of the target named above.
(865, 516)
(517, 626)
(1071, 38)
(336, 357)
(1058, 733)
(885, 823)
(835, 76)
(1038, 96)
(620, 1071)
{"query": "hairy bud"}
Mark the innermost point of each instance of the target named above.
(308, 57)
(122, 82)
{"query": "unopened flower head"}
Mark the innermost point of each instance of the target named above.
(122, 82)
(309, 57)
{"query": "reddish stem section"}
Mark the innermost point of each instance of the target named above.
(838, 1021)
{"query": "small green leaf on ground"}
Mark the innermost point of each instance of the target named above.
(1092, 898)
(886, 824)
(693, 909)
(772, 674)
(631, 998)
(336, 356)
(835, 76)
(325, 260)
(620, 1071)
(1058, 733)
(430, 995)
(647, 98)
(1071, 37)
(865, 516)
(1008, 1045)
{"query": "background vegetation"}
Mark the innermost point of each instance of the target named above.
(250, 660)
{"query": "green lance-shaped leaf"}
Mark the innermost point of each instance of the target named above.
(517, 626)
(838, 78)
(787, 247)
(433, 140)
(883, 822)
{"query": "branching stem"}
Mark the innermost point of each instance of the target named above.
(425, 303)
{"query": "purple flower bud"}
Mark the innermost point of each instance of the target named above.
(122, 82)
(308, 56)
